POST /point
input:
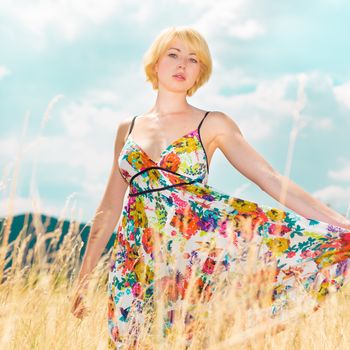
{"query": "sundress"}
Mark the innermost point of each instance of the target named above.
(171, 196)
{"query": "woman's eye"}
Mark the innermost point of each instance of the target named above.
(174, 55)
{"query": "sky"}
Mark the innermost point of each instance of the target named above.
(70, 72)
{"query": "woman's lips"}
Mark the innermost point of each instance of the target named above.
(179, 77)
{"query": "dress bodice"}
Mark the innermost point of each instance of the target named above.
(183, 161)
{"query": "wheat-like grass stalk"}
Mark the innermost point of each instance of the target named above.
(35, 297)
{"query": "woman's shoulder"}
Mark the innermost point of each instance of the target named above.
(219, 126)
(124, 126)
(220, 117)
(219, 121)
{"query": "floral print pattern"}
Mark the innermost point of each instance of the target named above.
(171, 200)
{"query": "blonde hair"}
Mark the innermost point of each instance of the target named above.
(195, 42)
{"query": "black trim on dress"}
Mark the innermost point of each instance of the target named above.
(200, 139)
(162, 188)
(154, 167)
(132, 124)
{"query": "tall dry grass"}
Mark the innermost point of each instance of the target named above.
(35, 298)
(35, 309)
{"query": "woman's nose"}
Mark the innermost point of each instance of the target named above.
(181, 64)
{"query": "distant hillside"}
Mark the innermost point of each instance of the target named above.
(46, 224)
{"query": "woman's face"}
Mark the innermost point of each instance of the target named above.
(177, 59)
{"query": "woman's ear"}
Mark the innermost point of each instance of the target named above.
(155, 67)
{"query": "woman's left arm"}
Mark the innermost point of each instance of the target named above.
(251, 164)
(302, 202)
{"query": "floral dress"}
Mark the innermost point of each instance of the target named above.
(197, 223)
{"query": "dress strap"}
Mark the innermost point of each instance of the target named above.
(200, 139)
(132, 124)
(200, 124)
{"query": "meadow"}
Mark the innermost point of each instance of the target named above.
(36, 291)
(35, 307)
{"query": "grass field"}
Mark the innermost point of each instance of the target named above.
(35, 310)
(35, 302)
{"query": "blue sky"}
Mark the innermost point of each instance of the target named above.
(83, 61)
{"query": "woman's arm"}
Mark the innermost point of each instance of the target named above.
(301, 202)
(107, 213)
(252, 165)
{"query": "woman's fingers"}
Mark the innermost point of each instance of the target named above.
(78, 308)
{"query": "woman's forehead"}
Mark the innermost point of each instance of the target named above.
(180, 46)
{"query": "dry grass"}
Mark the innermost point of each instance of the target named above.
(35, 302)
(35, 309)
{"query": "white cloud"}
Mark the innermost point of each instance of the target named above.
(8, 145)
(234, 18)
(259, 113)
(342, 94)
(342, 174)
(272, 103)
(19, 205)
(335, 195)
(4, 71)
(316, 122)
(81, 151)
(247, 30)
(84, 145)
(322, 123)
(81, 154)
(69, 18)
(104, 96)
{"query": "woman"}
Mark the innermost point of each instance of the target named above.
(163, 159)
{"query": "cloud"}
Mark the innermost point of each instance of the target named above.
(337, 196)
(273, 102)
(233, 18)
(342, 174)
(247, 30)
(69, 18)
(265, 108)
(83, 146)
(342, 94)
(8, 145)
(322, 123)
(4, 71)
(19, 205)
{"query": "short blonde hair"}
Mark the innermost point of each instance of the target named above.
(195, 42)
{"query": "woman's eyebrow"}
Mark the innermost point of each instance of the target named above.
(175, 48)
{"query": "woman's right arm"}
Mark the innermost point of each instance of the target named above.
(108, 211)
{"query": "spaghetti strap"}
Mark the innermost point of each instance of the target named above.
(200, 139)
(132, 124)
(200, 124)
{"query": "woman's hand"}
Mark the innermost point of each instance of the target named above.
(78, 304)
